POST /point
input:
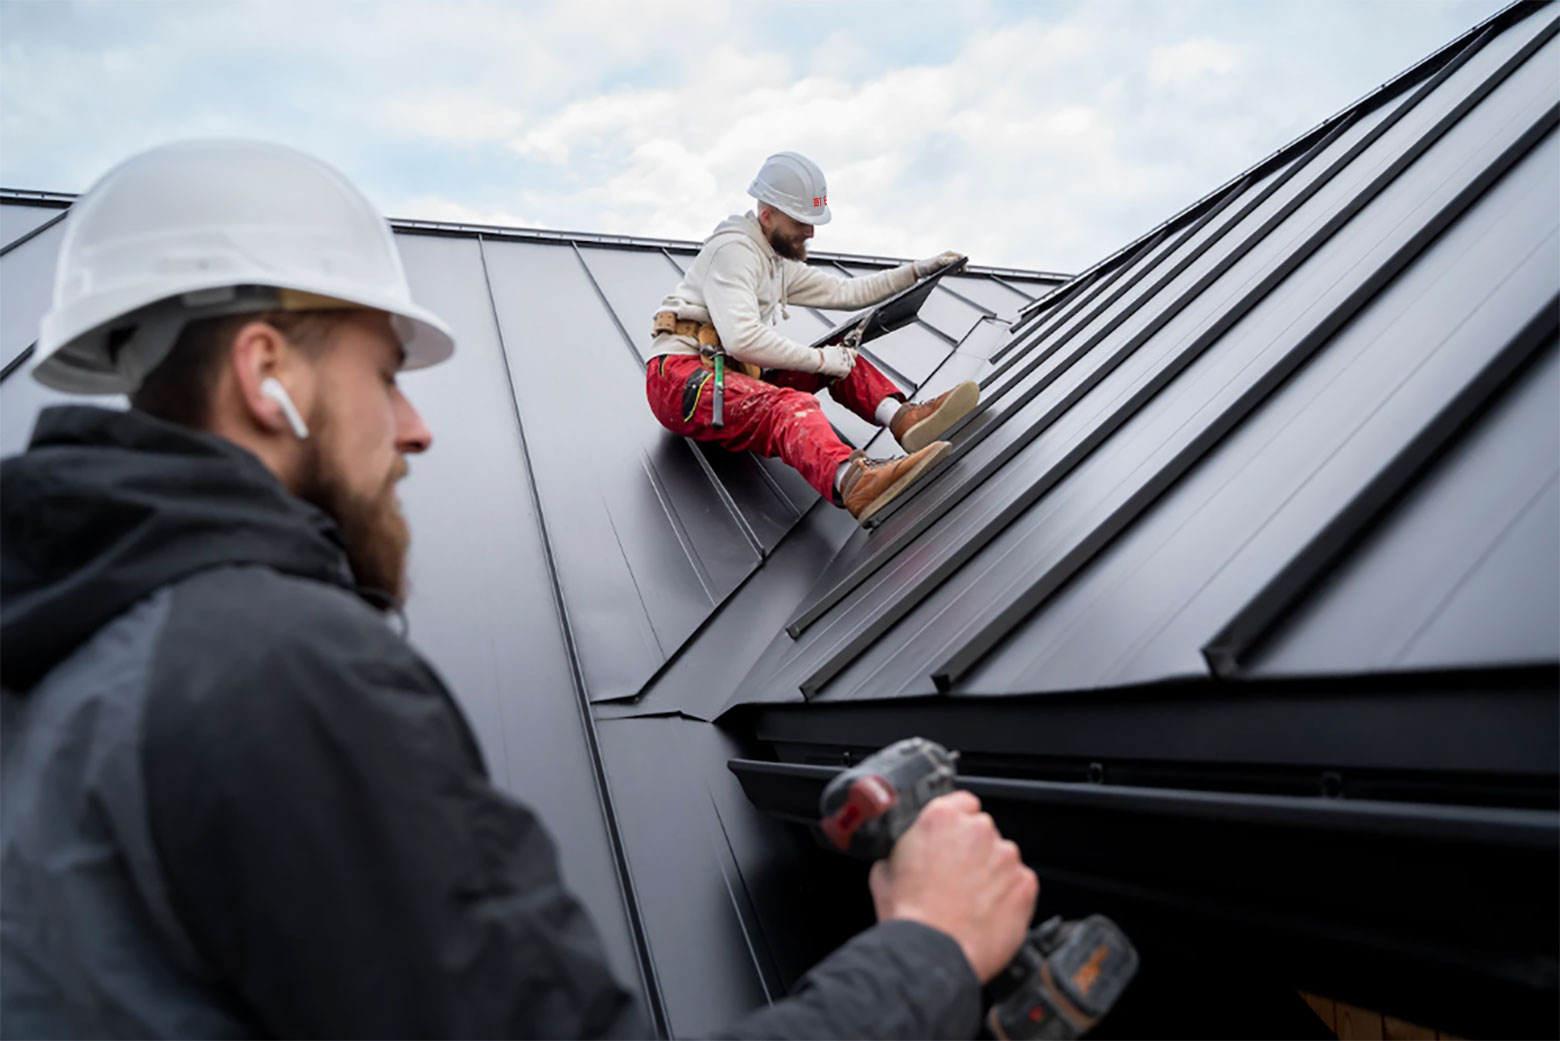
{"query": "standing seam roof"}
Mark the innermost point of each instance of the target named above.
(1333, 305)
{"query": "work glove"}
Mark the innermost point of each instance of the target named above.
(932, 265)
(835, 362)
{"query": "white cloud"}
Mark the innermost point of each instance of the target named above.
(438, 208)
(1190, 62)
(1040, 136)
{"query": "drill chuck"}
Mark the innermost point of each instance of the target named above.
(867, 807)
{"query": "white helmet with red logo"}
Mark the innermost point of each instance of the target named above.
(793, 184)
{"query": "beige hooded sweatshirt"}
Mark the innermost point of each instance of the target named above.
(739, 283)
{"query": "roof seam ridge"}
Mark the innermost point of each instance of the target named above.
(1321, 179)
(1233, 641)
(992, 529)
(967, 656)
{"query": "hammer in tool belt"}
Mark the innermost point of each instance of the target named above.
(709, 345)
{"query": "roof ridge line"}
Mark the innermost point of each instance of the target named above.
(30, 197)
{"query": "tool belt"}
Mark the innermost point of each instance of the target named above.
(708, 340)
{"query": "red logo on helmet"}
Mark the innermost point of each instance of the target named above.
(820, 200)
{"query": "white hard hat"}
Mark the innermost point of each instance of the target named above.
(793, 184)
(204, 228)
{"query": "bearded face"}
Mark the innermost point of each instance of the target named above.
(787, 236)
(364, 505)
(790, 245)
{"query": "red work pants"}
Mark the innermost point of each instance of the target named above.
(775, 417)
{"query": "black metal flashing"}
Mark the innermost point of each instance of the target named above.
(1312, 889)
(1311, 824)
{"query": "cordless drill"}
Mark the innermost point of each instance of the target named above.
(1066, 975)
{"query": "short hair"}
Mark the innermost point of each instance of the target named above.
(180, 388)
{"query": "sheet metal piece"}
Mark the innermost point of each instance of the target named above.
(943, 312)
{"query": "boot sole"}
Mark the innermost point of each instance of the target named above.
(893, 491)
(964, 398)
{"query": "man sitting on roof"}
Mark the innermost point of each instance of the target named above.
(733, 292)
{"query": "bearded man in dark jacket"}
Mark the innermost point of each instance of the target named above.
(236, 802)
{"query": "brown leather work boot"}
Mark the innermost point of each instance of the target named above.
(871, 484)
(917, 426)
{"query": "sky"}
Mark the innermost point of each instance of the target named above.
(1025, 134)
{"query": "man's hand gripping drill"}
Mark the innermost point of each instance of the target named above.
(900, 804)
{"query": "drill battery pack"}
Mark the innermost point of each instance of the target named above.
(1064, 980)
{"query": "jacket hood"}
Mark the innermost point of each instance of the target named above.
(746, 225)
(105, 507)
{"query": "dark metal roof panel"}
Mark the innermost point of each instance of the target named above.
(695, 908)
(700, 678)
(21, 399)
(1148, 604)
(632, 283)
(1002, 298)
(645, 546)
(1067, 338)
(26, 287)
(1044, 485)
(1486, 519)
(479, 569)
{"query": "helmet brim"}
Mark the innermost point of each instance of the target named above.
(64, 361)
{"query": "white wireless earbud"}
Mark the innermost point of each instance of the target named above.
(272, 388)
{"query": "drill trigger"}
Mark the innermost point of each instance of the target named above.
(867, 799)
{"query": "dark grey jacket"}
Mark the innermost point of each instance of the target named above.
(236, 803)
